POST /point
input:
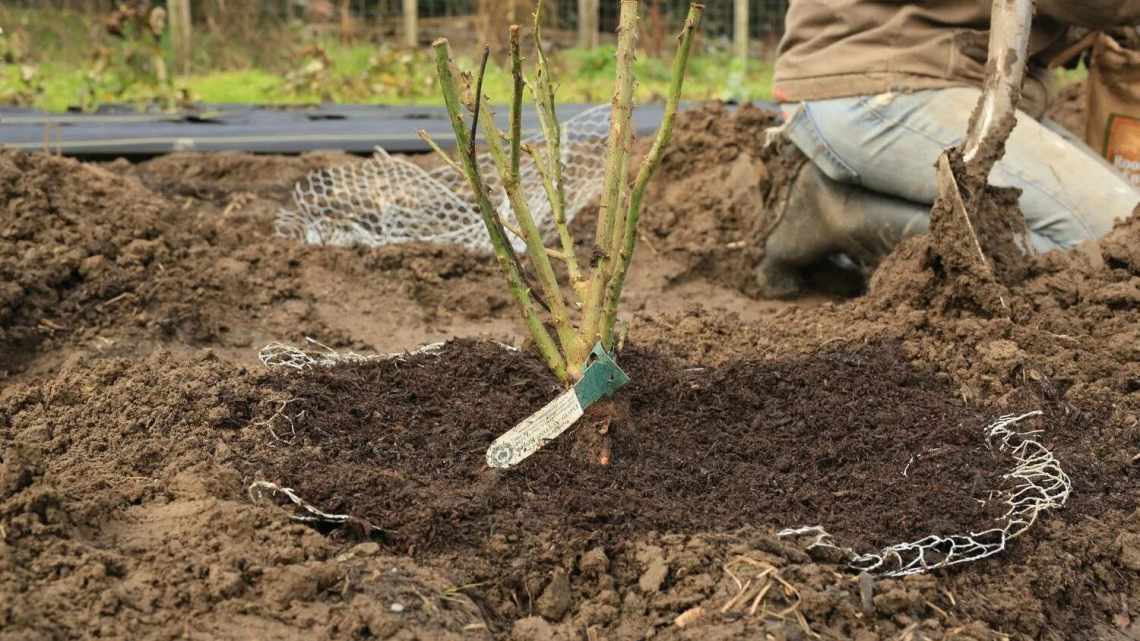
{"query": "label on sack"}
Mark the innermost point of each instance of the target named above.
(601, 378)
(1122, 146)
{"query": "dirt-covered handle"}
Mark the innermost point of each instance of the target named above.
(994, 117)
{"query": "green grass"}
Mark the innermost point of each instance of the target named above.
(1069, 76)
(249, 86)
(365, 75)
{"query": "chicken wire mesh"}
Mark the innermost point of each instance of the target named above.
(277, 355)
(387, 199)
(1038, 483)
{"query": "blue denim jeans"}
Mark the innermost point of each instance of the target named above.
(889, 144)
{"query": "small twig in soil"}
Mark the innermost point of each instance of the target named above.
(760, 597)
(772, 576)
(867, 594)
(649, 244)
(908, 633)
(733, 601)
(114, 300)
(238, 201)
(938, 610)
(688, 617)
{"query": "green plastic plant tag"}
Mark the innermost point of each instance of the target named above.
(602, 378)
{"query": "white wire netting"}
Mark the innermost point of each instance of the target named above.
(277, 355)
(387, 199)
(1037, 484)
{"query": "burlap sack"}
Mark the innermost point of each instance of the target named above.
(1114, 105)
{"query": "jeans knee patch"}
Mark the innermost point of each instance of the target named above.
(802, 130)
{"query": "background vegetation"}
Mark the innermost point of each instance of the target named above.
(60, 59)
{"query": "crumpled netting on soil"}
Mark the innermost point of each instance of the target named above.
(390, 200)
(1037, 484)
(275, 355)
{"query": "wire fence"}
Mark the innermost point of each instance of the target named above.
(765, 17)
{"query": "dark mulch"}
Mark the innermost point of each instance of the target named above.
(859, 442)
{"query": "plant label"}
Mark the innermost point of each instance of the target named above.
(602, 378)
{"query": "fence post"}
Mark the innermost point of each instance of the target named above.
(594, 28)
(583, 24)
(587, 23)
(411, 26)
(740, 29)
(180, 35)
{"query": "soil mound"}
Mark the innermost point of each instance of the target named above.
(131, 475)
(975, 252)
(120, 517)
(217, 177)
(1071, 319)
(93, 257)
(1070, 334)
(704, 205)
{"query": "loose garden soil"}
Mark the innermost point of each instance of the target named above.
(134, 415)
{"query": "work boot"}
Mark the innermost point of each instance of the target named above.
(822, 218)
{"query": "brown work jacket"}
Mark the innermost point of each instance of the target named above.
(842, 48)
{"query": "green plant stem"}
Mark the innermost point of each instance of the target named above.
(478, 98)
(550, 168)
(503, 252)
(622, 109)
(616, 242)
(536, 249)
(426, 137)
(649, 167)
(515, 124)
(591, 329)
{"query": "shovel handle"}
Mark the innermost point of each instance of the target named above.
(993, 119)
